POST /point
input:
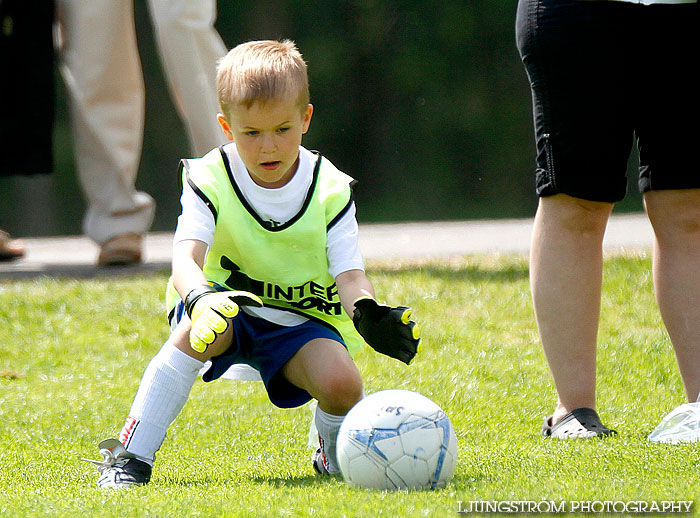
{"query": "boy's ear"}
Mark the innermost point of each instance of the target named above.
(308, 112)
(225, 127)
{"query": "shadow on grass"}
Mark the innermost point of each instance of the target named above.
(503, 273)
(297, 481)
(499, 273)
(314, 480)
(183, 482)
(277, 482)
(306, 481)
(83, 271)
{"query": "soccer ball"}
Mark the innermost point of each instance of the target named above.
(397, 439)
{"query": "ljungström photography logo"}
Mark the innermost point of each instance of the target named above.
(574, 506)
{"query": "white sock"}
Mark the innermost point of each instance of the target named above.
(163, 391)
(328, 426)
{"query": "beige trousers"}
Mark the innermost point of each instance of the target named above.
(102, 71)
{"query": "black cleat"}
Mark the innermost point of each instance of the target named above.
(120, 469)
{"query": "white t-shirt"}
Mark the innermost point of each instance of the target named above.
(276, 206)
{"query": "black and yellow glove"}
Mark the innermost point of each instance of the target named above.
(211, 313)
(387, 330)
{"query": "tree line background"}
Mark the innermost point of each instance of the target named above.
(426, 105)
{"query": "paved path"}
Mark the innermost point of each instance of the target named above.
(75, 256)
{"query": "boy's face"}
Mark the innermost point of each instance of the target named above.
(267, 136)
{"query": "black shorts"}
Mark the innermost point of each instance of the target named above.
(603, 73)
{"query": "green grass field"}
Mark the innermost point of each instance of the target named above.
(72, 353)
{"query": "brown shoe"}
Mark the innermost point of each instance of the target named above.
(121, 250)
(10, 249)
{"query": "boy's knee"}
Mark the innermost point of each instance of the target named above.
(342, 390)
(180, 338)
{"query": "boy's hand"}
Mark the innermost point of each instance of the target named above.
(211, 312)
(387, 330)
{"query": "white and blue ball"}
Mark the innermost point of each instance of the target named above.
(397, 439)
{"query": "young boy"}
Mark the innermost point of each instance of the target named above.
(267, 266)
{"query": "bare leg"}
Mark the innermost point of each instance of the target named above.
(566, 264)
(675, 216)
(325, 370)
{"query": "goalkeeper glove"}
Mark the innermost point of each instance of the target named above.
(211, 312)
(387, 330)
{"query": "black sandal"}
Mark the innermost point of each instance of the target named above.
(582, 423)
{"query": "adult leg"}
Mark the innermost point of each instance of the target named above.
(190, 47)
(566, 265)
(102, 73)
(675, 217)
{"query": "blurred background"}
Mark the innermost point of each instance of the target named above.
(426, 105)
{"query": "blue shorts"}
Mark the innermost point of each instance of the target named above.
(603, 74)
(266, 347)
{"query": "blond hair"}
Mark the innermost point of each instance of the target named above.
(261, 71)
